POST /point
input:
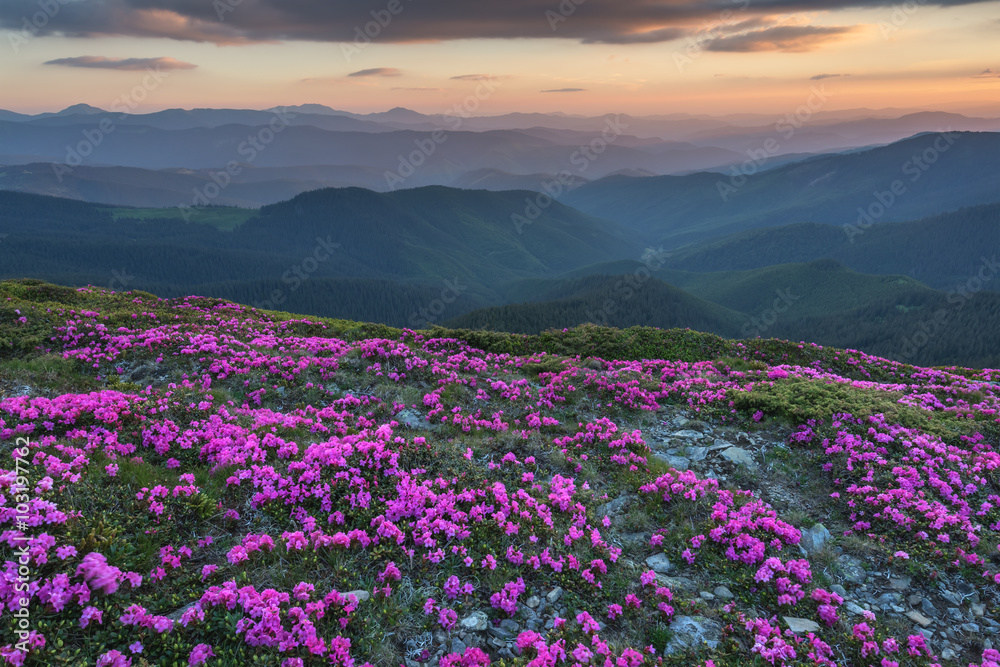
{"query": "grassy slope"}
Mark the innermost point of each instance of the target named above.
(115, 523)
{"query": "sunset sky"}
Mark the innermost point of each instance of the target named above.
(598, 56)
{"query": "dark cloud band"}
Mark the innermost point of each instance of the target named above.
(593, 21)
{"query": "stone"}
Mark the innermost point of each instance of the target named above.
(971, 628)
(965, 589)
(948, 654)
(918, 618)
(887, 599)
(915, 599)
(706, 596)
(723, 593)
(615, 506)
(678, 463)
(839, 590)
(955, 614)
(692, 632)
(738, 456)
(659, 563)
(533, 602)
(499, 633)
(801, 625)
(176, 615)
(681, 583)
(475, 622)
(510, 626)
(928, 608)
(900, 583)
(720, 444)
(979, 609)
(362, 596)
(696, 454)
(952, 597)
(458, 646)
(851, 570)
(813, 539)
(413, 419)
(440, 637)
(690, 434)
(854, 608)
(554, 595)
(505, 653)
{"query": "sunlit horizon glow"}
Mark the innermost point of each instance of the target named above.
(935, 58)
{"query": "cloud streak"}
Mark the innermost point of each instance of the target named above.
(787, 38)
(595, 21)
(377, 71)
(124, 64)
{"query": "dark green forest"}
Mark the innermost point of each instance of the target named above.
(921, 291)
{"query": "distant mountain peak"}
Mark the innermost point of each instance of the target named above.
(78, 109)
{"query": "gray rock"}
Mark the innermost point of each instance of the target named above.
(613, 507)
(362, 596)
(814, 539)
(964, 589)
(533, 602)
(660, 563)
(510, 626)
(918, 618)
(678, 463)
(696, 454)
(720, 444)
(554, 595)
(955, 614)
(951, 597)
(458, 646)
(689, 434)
(676, 583)
(801, 625)
(928, 608)
(505, 653)
(853, 608)
(948, 654)
(900, 583)
(440, 637)
(475, 622)
(691, 632)
(839, 590)
(738, 456)
(971, 628)
(979, 609)
(887, 599)
(851, 570)
(499, 633)
(706, 596)
(176, 615)
(413, 419)
(723, 593)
